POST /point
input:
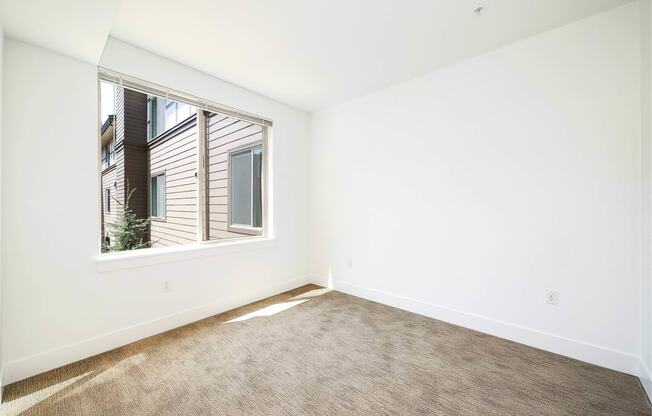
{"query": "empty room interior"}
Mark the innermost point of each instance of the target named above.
(285, 207)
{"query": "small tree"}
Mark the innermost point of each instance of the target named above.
(130, 232)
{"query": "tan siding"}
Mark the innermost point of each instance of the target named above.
(224, 134)
(176, 155)
(109, 217)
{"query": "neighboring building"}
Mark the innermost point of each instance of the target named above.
(152, 144)
(233, 146)
(173, 173)
(124, 159)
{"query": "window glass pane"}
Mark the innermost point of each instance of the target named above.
(112, 151)
(105, 157)
(170, 114)
(153, 119)
(154, 198)
(161, 195)
(257, 187)
(183, 112)
(107, 100)
(241, 197)
(174, 149)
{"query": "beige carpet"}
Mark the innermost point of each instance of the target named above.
(326, 354)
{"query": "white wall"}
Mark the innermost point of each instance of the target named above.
(645, 11)
(1, 254)
(467, 193)
(52, 285)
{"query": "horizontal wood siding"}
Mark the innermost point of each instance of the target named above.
(176, 155)
(135, 118)
(135, 145)
(224, 134)
(109, 217)
(130, 158)
(136, 177)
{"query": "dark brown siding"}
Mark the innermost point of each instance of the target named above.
(119, 150)
(135, 165)
(135, 140)
(130, 157)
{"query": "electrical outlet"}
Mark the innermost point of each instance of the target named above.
(349, 263)
(165, 287)
(552, 297)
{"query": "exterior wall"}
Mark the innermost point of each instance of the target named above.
(119, 151)
(175, 153)
(130, 166)
(223, 135)
(109, 217)
(134, 108)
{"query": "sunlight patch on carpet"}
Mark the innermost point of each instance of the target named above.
(268, 310)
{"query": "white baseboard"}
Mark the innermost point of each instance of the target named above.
(38, 363)
(2, 384)
(646, 380)
(594, 354)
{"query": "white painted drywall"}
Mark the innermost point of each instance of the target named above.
(57, 306)
(468, 193)
(1, 254)
(645, 12)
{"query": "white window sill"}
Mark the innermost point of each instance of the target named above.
(107, 262)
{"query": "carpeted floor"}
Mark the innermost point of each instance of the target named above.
(325, 353)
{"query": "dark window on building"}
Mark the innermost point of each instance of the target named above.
(157, 196)
(107, 199)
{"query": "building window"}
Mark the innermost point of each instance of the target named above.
(108, 154)
(107, 200)
(170, 114)
(157, 196)
(162, 114)
(245, 190)
(112, 152)
(152, 117)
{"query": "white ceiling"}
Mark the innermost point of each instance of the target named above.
(308, 53)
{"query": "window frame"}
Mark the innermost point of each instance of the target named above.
(152, 117)
(157, 174)
(257, 236)
(244, 228)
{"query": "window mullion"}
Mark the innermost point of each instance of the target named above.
(251, 188)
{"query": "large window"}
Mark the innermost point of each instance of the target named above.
(183, 170)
